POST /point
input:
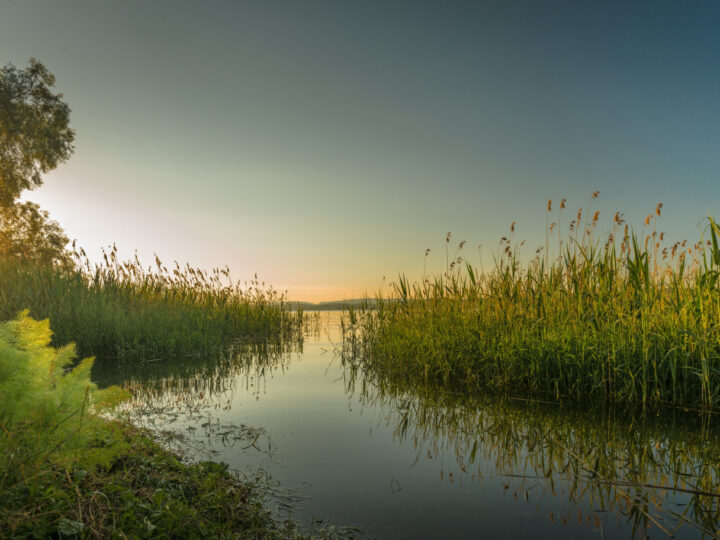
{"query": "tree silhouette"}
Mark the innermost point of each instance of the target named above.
(28, 235)
(35, 136)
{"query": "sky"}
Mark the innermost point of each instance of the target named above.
(326, 145)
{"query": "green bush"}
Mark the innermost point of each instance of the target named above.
(48, 409)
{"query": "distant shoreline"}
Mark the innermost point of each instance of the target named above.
(335, 305)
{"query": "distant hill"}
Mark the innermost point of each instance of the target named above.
(335, 305)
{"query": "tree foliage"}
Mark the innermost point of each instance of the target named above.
(35, 136)
(28, 235)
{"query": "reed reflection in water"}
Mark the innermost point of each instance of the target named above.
(655, 473)
(180, 398)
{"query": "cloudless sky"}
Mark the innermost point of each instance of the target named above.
(325, 145)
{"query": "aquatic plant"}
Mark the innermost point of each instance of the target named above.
(120, 309)
(618, 318)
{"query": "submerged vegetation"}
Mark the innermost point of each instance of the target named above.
(619, 318)
(120, 309)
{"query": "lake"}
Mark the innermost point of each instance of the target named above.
(335, 446)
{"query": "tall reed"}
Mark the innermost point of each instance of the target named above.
(618, 318)
(124, 310)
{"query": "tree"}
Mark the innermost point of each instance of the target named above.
(35, 136)
(28, 235)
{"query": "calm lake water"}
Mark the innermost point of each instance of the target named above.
(339, 449)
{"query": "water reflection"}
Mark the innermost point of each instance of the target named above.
(181, 397)
(476, 465)
(657, 473)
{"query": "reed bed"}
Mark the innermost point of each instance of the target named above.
(617, 318)
(120, 309)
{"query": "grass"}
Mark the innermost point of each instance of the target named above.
(68, 471)
(145, 492)
(123, 310)
(615, 318)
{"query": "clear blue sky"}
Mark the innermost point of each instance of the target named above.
(325, 145)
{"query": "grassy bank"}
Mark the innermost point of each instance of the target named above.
(122, 310)
(66, 471)
(144, 492)
(619, 318)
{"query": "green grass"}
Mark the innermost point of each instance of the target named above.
(122, 310)
(618, 319)
(145, 492)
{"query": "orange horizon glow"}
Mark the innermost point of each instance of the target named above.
(317, 295)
